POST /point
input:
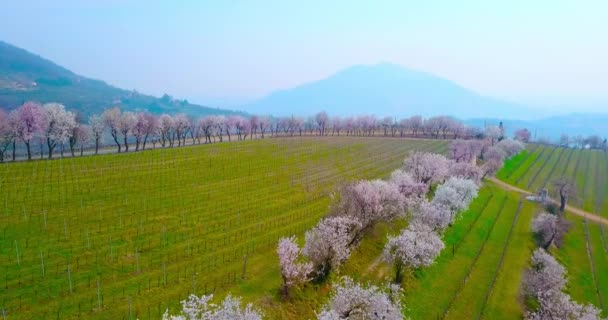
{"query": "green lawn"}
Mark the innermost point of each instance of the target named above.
(126, 236)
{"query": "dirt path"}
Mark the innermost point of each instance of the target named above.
(573, 210)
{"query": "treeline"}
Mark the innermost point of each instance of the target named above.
(44, 128)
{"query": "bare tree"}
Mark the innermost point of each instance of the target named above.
(565, 189)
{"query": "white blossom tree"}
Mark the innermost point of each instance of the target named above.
(328, 244)
(456, 194)
(417, 246)
(293, 271)
(350, 300)
(202, 308)
(97, 128)
(494, 133)
(412, 190)
(510, 147)
(549, 229)
(59, 126)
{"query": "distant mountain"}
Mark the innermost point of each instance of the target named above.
(25, 76)
(385, 89)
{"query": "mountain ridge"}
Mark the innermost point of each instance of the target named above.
(26, 76)
(388, 89)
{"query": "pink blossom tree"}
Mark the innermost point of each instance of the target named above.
(523, 135)
(350, 300)
(549, 229)
(417, 246)
(202, 308)
(31, 121)
(466, 170)
(427, 167)
(126, 124)
(181, 125)
(465, 150)
(7, 133)
(412, 190)
(139, 128)
(371, 201)
(150, 129)
(435, 216)
(165, 129)
(328, 244)
(293, 272)
(544, 282)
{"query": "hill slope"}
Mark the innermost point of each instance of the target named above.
(25, 76)
(384, 89)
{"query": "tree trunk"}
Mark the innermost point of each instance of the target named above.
(97, 145)
(398, 272)
(126, 144)
(562, 205)
(51, 146)
(29, 152)
(116, 141)
(14, 148)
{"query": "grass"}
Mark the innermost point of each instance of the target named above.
(508, 280)
(470, 300)
(573, 255)
(522, 168)
(139, 232)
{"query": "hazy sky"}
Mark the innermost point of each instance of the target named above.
(549, 52)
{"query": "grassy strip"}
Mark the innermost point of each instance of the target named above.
(470, 300)
(446, 275)
(573, 255)
(512, 164)
(525, 166)
(505, 300)
(539, 180)
(600, 263)
(536, 168)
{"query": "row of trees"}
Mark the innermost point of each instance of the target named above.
(545, 282)
(51, 125)
(360, 206)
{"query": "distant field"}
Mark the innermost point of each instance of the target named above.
(126, 236)
(585, 249)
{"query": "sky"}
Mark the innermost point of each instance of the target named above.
(550, 54)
